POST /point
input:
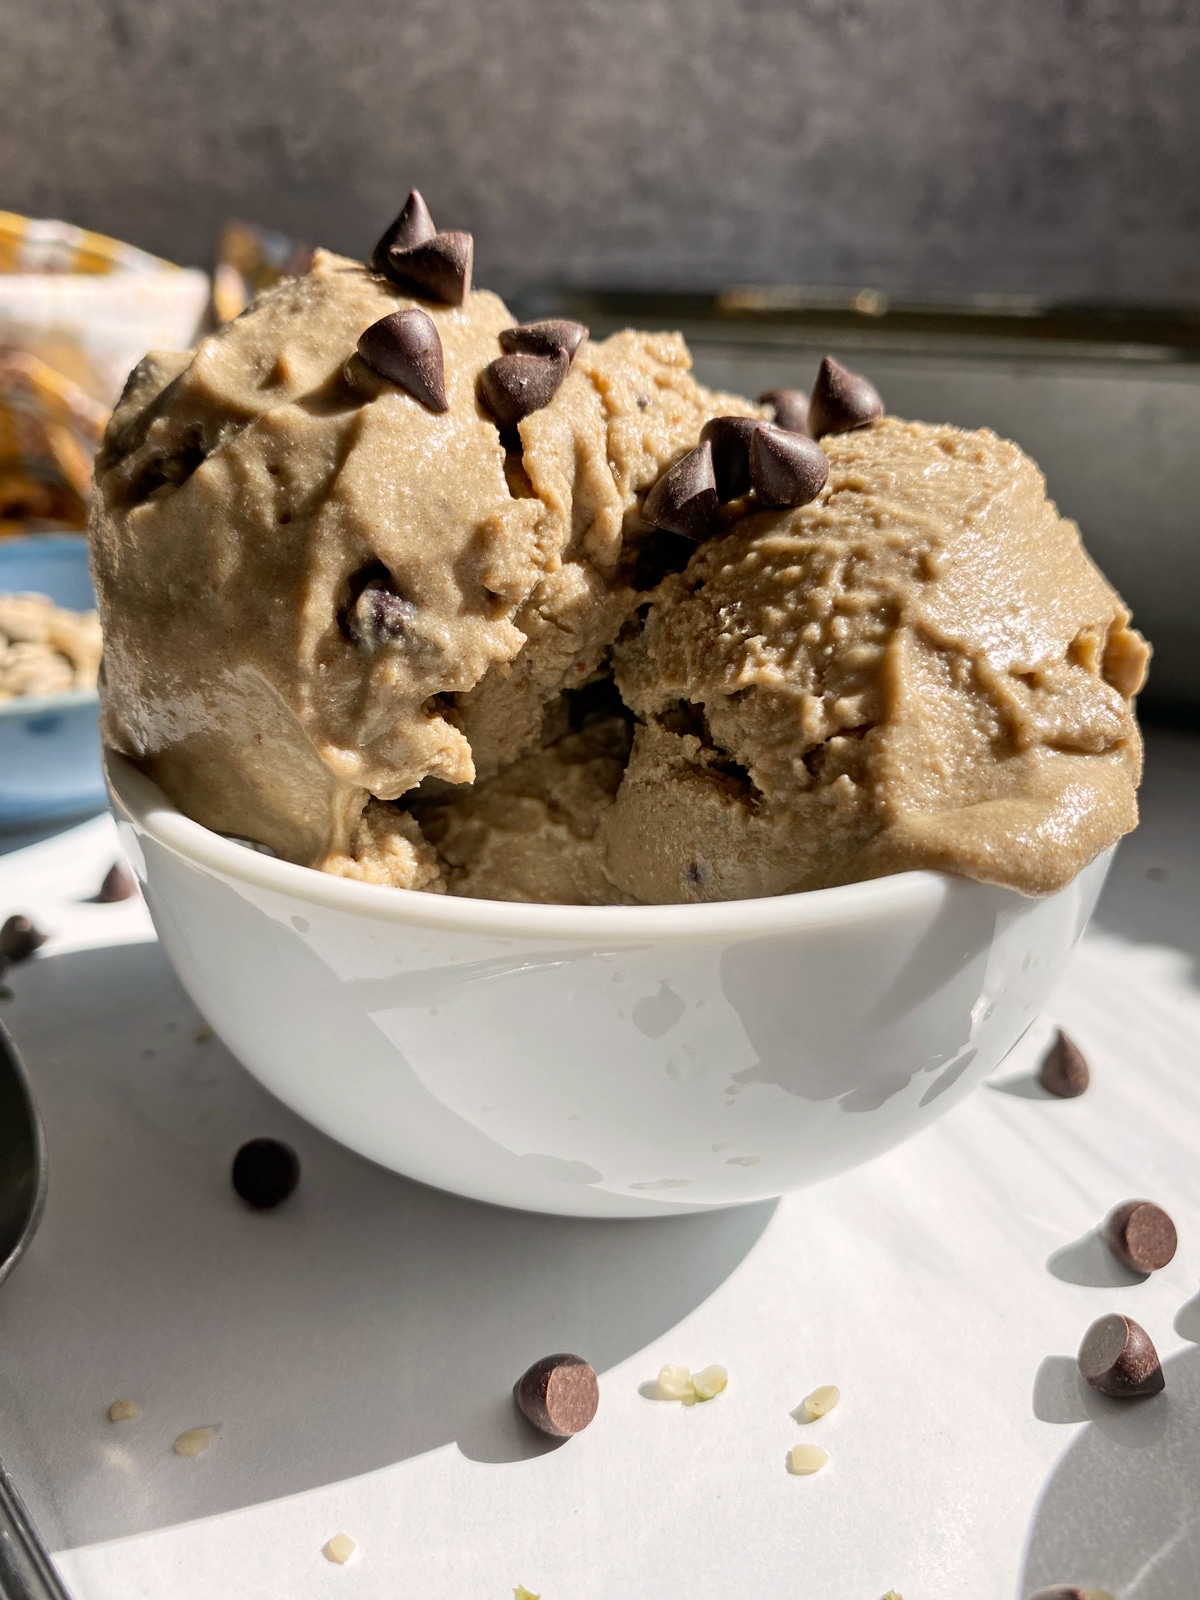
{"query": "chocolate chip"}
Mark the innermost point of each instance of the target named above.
(1118, 1357)
(378, 615)
(790, 407)
(413, 226)
(436, 269)
(684, 500)
(841, 400)
(1064, 1070)
(559, 1394)
(1061, 1591)
(19, 939)
(730, 441)
(265, 1172)
(405, 348)
(514, 386)
(118, 885)
(786, 469)
(544, 338)
(1142, 1235)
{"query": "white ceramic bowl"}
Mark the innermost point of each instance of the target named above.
(600, 1061)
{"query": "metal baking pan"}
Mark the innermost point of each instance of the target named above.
(1106, 400)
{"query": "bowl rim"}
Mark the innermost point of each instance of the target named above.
(41, 705)
(138, 801)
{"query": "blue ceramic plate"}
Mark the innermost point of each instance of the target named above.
(49, 745)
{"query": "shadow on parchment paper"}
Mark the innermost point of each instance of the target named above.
(1119, 1510)
(368, 1320)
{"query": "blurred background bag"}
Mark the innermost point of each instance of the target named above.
(77, 311)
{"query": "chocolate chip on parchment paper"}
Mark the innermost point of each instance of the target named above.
(1118, 1357)
(1141, 1235)
(841, 400)
(1064, 1070)
(546, 338)
(413, 226)
(436, 269)
(786, 469)
(790, 408)
(19, 938)
(1068, 1591)
(559, 1395)
(730, 441)
(406, 349)
(118, 885)
(514, 386)
(684, 500)
(265, 1172)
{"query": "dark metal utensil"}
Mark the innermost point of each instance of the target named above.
(26, 1570)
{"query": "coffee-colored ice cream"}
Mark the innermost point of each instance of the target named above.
(922, 668)
(421, 644)
(254, 496)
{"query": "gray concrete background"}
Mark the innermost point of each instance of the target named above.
(1049, 146)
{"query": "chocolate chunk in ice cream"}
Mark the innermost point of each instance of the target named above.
(1141, 1235)
(1118, 1357)
(437, 269)
(378, 614)
(684, 500)
(790, 408)
(513, 387)
(413, 226)
(549, 338)
(841, 400)
(1064, 1070)
(786, 469)
(404, 347)
(730, 438)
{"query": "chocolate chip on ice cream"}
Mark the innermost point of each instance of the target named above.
(404, 347)
(790, 409)
(265, 1172)
(413, 226)
(684, 500)
(550, 338)
(730, 438)
(559, 1395)
(19, 938)
(1118, 1357)
(437, 269)
(786, 469)
(841, 400)
(1141, 1235)
(513, 387)
(1064, 1070)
